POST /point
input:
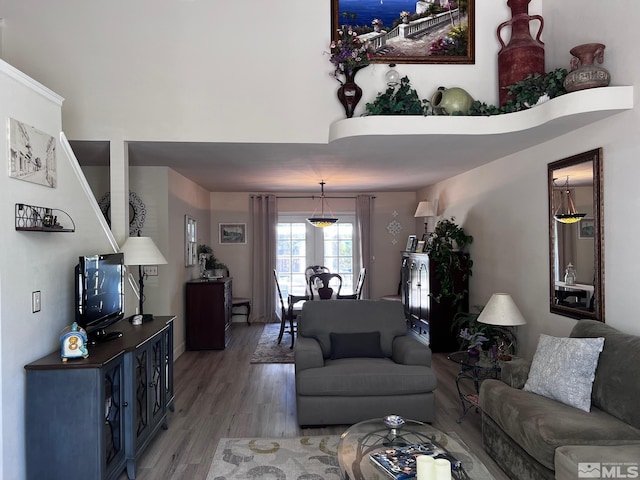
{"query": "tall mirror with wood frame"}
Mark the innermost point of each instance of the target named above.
(576, 236)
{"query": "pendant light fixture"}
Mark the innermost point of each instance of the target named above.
(322, 221)
(568, 214)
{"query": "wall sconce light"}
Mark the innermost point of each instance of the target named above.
(425, 209)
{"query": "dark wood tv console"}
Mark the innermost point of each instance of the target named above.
(91, 418)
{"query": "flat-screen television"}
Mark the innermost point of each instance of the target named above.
(100, 294)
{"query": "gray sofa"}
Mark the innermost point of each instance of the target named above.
(533, 437)
(377, 368)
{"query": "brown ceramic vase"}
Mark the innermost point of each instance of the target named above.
(349, 93)
(584, 74)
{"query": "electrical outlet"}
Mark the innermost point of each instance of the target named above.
(150, 270)
(35, 301)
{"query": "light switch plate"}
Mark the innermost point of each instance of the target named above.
(150, 270)
(36, 301)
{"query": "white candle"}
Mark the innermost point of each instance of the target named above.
(425, 468)
(442, 468)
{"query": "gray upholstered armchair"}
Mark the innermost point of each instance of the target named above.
(355, 361)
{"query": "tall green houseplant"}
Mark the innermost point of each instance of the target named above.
(446, 248)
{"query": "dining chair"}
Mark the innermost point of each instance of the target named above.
(240, 302)
(288, 313)
(357, 293)
(330, 283)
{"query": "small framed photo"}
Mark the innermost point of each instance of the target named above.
(233, 233)
(586, 228)
(412, 241)
(420, 246)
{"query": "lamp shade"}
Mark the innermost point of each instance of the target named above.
(142, 251)
(501, 310)
(425, 209)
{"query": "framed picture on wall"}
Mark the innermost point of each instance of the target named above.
(233, 233)
(586, 228)
(190, 236)
(405, 31)
(32, 154)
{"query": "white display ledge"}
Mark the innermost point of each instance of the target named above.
(542, 123)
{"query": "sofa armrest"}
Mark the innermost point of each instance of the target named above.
(515, 372)
(409, 351)
(308, 354)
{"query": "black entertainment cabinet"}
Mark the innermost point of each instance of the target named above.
(90, 418)
(430, 321)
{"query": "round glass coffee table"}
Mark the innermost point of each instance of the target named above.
(371, 436)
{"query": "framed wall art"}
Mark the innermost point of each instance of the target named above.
(410, 31)
(32, 154)
(586, 228)
(190, 241)
(233, 233)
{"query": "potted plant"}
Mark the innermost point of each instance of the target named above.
(210, 263)
(468, 327)
(398, 100)
(473, 340)
(445, 247)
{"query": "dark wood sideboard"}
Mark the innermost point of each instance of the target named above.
(208, 316)
(92, 417)
(429, 321)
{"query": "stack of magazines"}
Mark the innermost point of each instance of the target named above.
(399, 463)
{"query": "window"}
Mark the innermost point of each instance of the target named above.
(299, 244)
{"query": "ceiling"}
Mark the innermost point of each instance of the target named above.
(356, 164)
(349, 165)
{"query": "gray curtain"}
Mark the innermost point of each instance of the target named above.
(264, 222)
(363, 230)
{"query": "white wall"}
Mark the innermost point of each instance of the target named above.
(504, 204)
(184, 198)
(250, 71)
(34, 261)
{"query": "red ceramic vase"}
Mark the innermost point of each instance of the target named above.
(523, 55)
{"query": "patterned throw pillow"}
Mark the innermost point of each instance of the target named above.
(564, 368)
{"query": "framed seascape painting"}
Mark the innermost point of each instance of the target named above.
(410, 31)
(32, 154)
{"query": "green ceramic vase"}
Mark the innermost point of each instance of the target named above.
(447, 101)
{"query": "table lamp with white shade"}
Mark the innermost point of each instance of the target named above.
(501, 311)
(426, 209)
(142, 251)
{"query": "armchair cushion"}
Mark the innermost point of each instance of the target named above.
(409, 351)
(356, 377)
(319, 318)
(350, 345)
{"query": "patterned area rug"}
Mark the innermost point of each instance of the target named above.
(309, 458)
(276, 458)
(268, 350)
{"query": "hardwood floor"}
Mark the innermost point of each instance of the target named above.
(220, 394)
